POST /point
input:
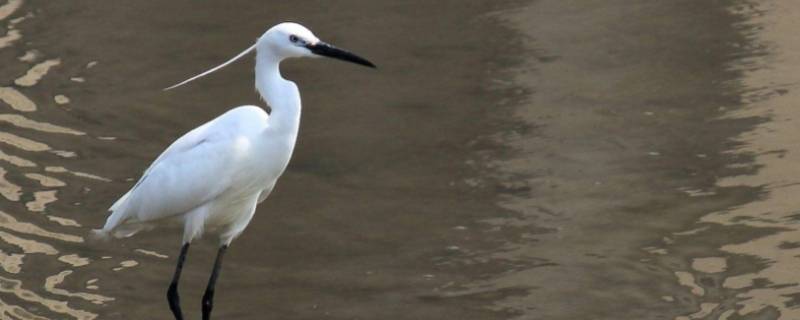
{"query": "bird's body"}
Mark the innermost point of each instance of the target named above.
(213, 177)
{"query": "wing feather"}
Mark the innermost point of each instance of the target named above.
(193, 170)
(183, 180)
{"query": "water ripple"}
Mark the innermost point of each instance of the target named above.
(9, 190)
(9, 8)
(27, 245)
(23, 122)
(10, 37)
(36, 73)
(23, 238)
(10, 223)
(63, 221)
(14, 287)
(11, 263)
(17, 312)
(74, 260)
(45, 181)
(40, 200)
(17, 161)
(52, 281)
(23, 143)
(16, 99)
(770, 80)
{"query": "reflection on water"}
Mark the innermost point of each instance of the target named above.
(14, 287)
(22, 122)
(64, 221)
(710, 264)
(59, 169)
(9, 222)
(27, 245)
(17, 161)
(7, 189)
(52, 281)
(29, 56)
(705, 310)
(46, 181)
(23, 143)
(91, 284)
(761, 273)
(687, 279)
(37, 174)
(596, 102)
(9, 39)
(27, 186)
(61, 99)
(11, 262)
(9, 8)
(152, 253)
(74, 260)
(126, 264)
(16, 100)
(36, 73)
(40, 200)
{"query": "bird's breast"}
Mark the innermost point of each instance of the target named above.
(262, 162)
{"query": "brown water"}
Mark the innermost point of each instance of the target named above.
(509, 160)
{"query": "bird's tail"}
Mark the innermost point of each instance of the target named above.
(99, 235)
(116, 217)
(117, 229)
(123, 231)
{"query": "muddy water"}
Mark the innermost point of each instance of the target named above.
(368, 219)
(660, 156)
(757, 278)
(509, 159)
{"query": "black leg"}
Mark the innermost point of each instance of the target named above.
(172, 293)
(208, 297)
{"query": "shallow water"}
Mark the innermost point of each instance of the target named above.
(525, 160)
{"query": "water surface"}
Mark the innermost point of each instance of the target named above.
(508, 160)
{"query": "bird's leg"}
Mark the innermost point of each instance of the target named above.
(172, 293)
(208, 297)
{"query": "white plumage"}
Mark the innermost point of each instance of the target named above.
(210, 178)
(213, 177)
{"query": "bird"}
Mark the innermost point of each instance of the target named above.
(211, 179)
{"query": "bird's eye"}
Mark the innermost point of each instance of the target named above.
(293, 38)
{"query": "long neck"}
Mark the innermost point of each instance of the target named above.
(280, 94)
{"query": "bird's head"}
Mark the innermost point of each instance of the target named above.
(290, 40)
(287, 40)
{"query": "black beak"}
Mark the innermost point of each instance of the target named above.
(324, 49)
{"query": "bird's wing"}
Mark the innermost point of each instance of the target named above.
(184, 177)
(194, 169)
(226, 125)
(184, 143)
(191, 171)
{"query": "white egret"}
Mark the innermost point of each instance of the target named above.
(213, 177)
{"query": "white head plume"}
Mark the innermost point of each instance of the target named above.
(237, 57)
